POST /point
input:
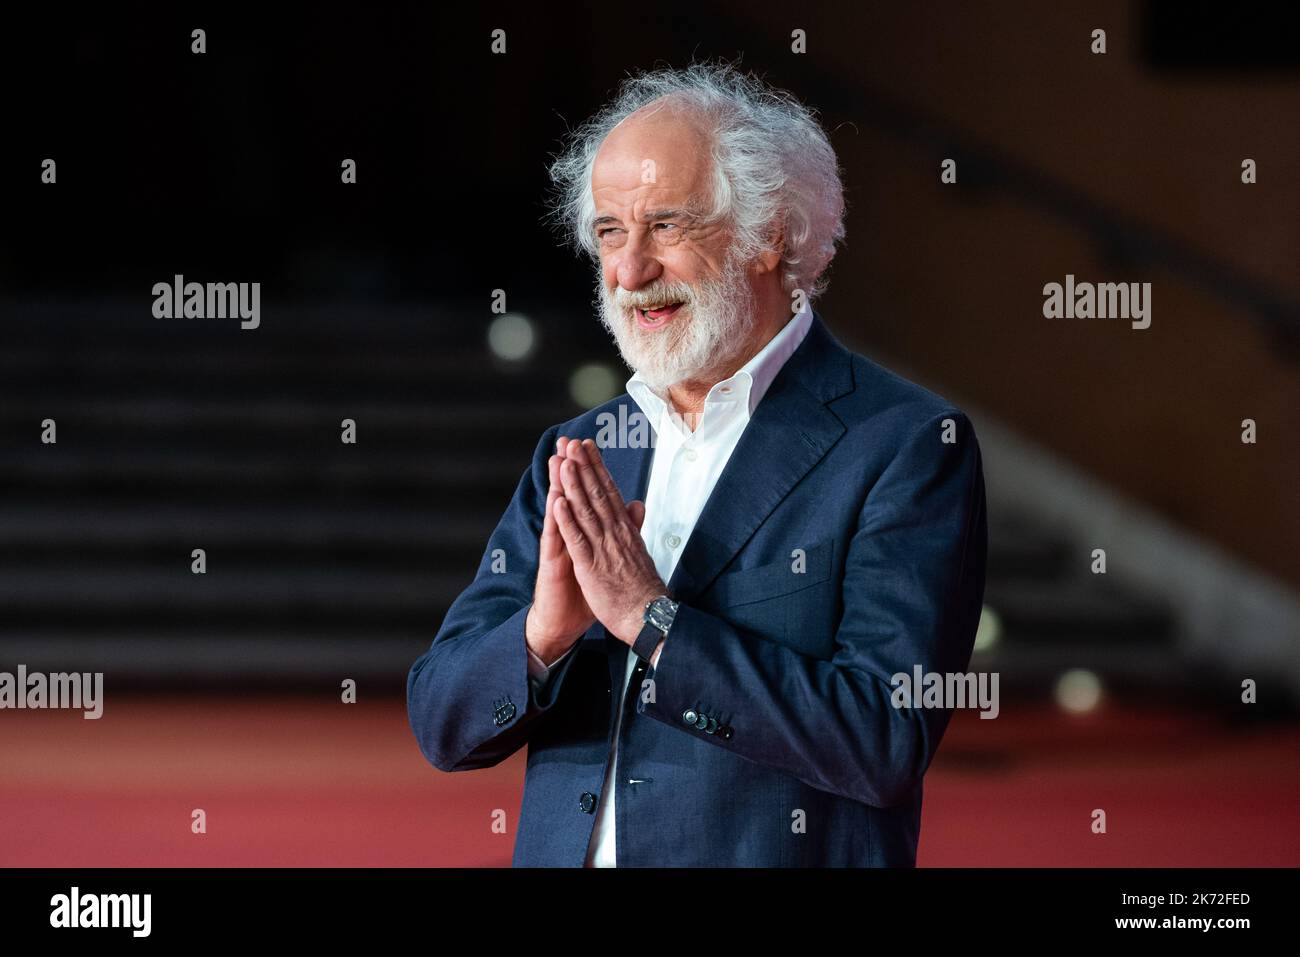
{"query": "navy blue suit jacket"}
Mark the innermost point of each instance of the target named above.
(843, 543)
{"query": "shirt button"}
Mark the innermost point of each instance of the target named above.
(725, 390)
(672, 541)
(691, 455)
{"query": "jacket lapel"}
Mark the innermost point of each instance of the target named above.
(790, 431)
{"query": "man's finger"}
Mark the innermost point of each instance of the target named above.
(597, 495)
(577, 542)
(602, 473)
(562, 449)
(552, 544)
(579, 504)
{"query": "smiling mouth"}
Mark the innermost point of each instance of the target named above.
(654, 318)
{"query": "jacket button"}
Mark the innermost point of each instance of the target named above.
(702, 721)
(587, 802)
(689, 716)
(725, 732)
(712, 726)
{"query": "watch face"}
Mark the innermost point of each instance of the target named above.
(661, 613)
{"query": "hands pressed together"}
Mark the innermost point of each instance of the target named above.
(593, 564)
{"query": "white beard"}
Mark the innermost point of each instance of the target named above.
(709, 330)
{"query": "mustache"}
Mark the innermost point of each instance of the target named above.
(653, 296)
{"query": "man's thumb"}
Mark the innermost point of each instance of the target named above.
(636, 512)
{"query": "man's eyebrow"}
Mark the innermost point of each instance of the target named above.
(659, 214)
(650, 217)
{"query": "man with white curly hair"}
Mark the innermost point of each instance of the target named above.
(699, 638)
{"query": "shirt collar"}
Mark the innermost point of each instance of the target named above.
(750, 382)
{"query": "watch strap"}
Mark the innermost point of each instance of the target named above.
(647, 641)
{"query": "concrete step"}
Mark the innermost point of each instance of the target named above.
(1034, 611)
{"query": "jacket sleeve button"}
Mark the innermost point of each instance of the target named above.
(504, 713)
(689, 716)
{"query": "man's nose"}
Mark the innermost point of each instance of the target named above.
(635, 268)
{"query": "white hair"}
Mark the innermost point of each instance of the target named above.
(774, 170)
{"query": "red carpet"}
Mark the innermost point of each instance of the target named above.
(295, 782)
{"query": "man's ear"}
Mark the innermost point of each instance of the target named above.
(770, 257)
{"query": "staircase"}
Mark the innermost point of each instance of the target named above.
(324, 560)
(328, 561)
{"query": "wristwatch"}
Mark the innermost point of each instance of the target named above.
(658, 618)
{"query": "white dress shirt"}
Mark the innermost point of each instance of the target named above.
(683, 472)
